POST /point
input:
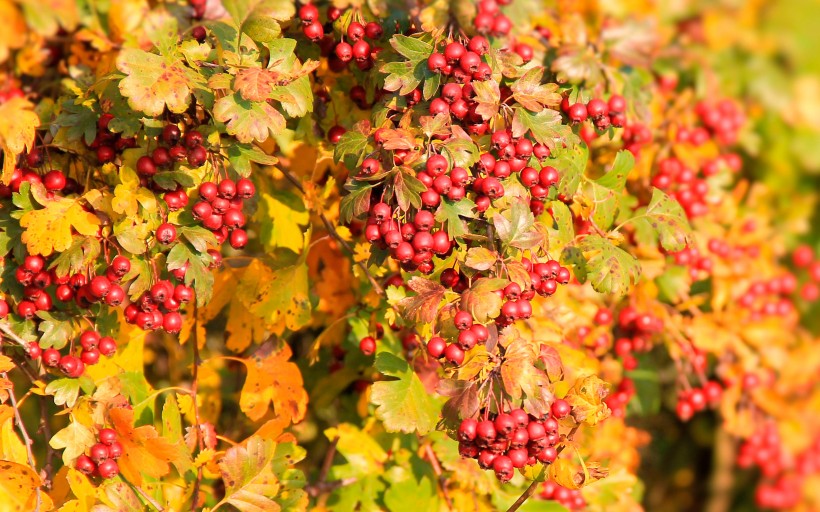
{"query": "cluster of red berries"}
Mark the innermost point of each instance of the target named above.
(511, 440)
(770, 297)
(696, 399)
(158, 307)
(603, 114)
(490, 20)
(698, 265)
(92, 346)
(470, 334)
(412, 244)
(683, 184)
(109, 144)
(619, 399)
(784, 474)
(803, 257)
(220, 209)
(172, 147)
(635, 136)
(101, 459)
(571, 499)
(720, 119)
(635, 331)
(352, 47)
(34, 277)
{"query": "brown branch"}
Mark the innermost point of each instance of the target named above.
(722, 479)
(45, 430)
(331, 452)
(26, 439)
(442, 480)
(332, 231)
(10, 334)
(194, 389)
(320, 488)
(529, 491)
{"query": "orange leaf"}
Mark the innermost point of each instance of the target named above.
(273, 380)
(144, 451)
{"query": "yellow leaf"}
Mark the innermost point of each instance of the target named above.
(18, 487)
(18, 123)
(6, 364)
(50, 229)
(289, 220)
(125, 17)
(273, 380)
(82, 489)
(73, 440)
(586, 399)
(11, 448)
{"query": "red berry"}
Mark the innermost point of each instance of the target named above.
(107, 346)
(146, 166)
(436, 347)
(454, 354)
(99, 452)
(166, 233)
(436, 62)
(51, 357)
(85, 465)
(108, 469)
(314, 31)
(561, 408)
(368, 346)
(308, 13)
(467, 430)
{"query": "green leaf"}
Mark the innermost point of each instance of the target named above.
(153, 82)
(462, 152)
(410, 495)
(56, 328)
(563, 220)
(610, 269)
(248, 120)
(615, 178)
(168, 180)
(65, 391)
(241, 156)
(516, 227)
(402, 404)
(356, 202)
(250, 483)
(198, 236)
(407, 189)
(197, 273)
(545, 127)
(453, 214)
(605, 206)
(647, 399)
(411, 47)
(666, 219)
(571, 163)
(296, 97)
(351, 149)
(82, 252)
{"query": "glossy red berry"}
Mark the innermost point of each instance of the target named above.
(108, 469)
(454, 354)
(367, 345)
(107, 346)
(85, 465)
(166, 233)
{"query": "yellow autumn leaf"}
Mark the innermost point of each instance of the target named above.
(18, 122)
(129, 195)
(50, 229)
(11, 448)
(14, 29)
(125, 17)
(18, 488)
(83, 491)
(586, 399)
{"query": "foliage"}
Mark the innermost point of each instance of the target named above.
(261, 255)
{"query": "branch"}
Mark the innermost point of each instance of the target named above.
(442, 480)
(24, 433)
(10, 334)
(529, 491)
(144, 495)
(332, 231)
(325, 487)
(722, 480)
(331, 452)
(194, 389)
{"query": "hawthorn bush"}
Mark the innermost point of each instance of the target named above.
(444, 255)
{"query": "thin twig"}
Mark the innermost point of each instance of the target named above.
(194, 389)
(6, 329)
(442, 480)
(332, 231)
(45, 430)
(26, 439)
(326, 487)
(331, 452)
(534, 485)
